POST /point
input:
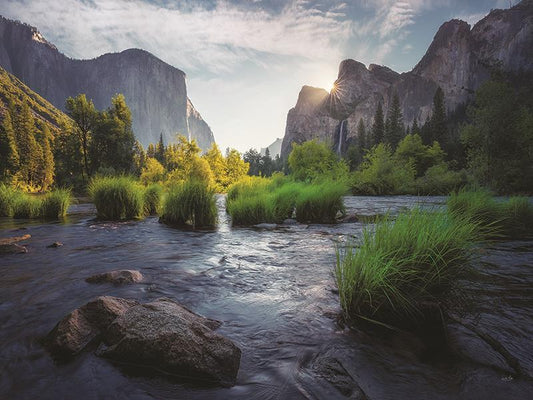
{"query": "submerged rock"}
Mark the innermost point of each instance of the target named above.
(265, 225)
(10, 245)
(168, 336)
(83, 325)
(55, 245)
(119, 277)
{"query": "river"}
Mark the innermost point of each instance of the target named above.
(274, 291)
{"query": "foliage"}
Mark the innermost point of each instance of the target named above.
(152, 172)
(152, 198)
(394, 129)
(55, 204)
(378, 128)
(26, 206)
(404, 269)
(7, 200)
(513, 217)
(499, 139)
(439, 180)
(320, 203)
(190, 203)
(117, 198)
(312, 161)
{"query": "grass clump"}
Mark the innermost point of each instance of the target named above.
(55, 204)
(259, 200)
(152, 198)
(190, 203)
(117, 198)
(26, 206)
(402, 270)
(7, 200)
(513, 217)
(320, 203)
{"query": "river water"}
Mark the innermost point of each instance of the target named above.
(274, 291)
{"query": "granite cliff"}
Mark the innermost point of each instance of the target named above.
(155, 91)
(458, 60)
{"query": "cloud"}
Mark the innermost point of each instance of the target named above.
(219, 38)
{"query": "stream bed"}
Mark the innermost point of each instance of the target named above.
(274, 291)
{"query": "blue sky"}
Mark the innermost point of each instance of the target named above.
(246, 60)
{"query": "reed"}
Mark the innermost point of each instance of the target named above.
(117, 198)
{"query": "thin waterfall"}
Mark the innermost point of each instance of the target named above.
(339, 146)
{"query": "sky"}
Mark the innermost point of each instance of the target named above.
(246, 60)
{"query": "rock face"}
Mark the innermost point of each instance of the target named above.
(119, 277)
(161, 334)
(458, 60)
(155, 91)
(168, 336)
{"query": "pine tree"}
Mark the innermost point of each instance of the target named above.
(378, 128)
(46, 165)
(394, 130)
(9, 157)
(361, 134)
(159, 153)
(68, 155)
(27, 147)
(415, 130)
(438, 119)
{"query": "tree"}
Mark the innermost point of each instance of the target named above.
(412, 150)
(236, 167)
(46, 173)
(439, 130)
(266, 164)
(217, 164)
(311, 160)
(68, 155)
(83, 113)
(152, 172)
(378, 128)
(394, 129)
(159, 152)
(139, 158)
(9, 157)
(27, 147)
(361, 134)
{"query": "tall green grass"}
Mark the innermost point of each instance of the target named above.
(401, 270)
(18, 204)
(259, 200)
(55, 204)
(320, 203)
(152, 198)
(513, 217)
(190, 203)
(117, 198)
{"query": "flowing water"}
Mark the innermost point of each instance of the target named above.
(341, 130)
(273, 289)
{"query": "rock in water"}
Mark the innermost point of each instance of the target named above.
(10, 245)
(125, 276)
(85, 324)
(167, 336)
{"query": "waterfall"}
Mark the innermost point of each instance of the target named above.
(339, 146)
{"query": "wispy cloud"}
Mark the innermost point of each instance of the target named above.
(192, 37)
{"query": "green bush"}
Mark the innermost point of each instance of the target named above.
(320, 203)
(117, 198)
(55, 204)
(404, 269)
(152, 198)
(439, 180)
(250, 210)
(190, 203)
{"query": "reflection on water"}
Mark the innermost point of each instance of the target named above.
(274, 291)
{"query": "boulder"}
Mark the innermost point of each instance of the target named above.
(55, 245)
(85, 324)
(119, 277)
(10, 245)
(169, 337)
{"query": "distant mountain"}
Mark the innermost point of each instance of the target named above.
(458, 60)
(13, 90)
(154, 90)
(274, 149)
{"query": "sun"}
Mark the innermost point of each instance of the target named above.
(331, 87)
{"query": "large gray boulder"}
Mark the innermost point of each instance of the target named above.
(84, 325)
(168, 336)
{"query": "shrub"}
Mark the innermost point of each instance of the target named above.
(190, 203)
(55, 204)
(250, 210)
(439, 179)
(117, 198)
(26, 206)
(152, 199)
(320, 203)
(404, 269)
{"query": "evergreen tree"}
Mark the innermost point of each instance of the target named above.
(27, 147)
(394, 129)
(266, 164)
(253, 157)
(83, 113)
(361, 134)
(150, 151)
(415, 130)
(46, 165)
(438, 119)
(378, 128)
(139, 158)
(159, 153)
(9, 157)
(68, 156)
